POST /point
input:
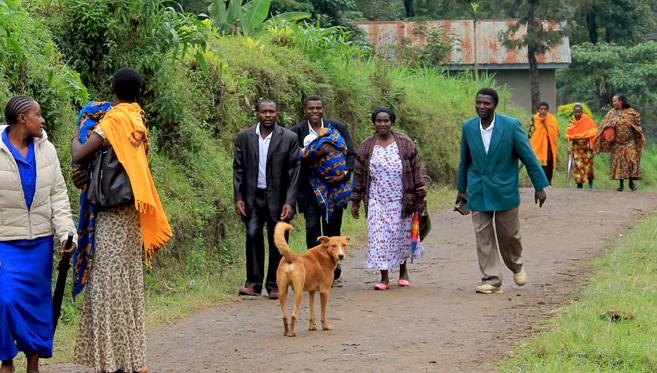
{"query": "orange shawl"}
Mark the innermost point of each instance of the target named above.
(126, 131)
(584, 128)
(539, 140)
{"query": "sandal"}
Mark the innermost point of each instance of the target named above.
(403, 283)
(381, 286)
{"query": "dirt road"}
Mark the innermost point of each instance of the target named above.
(439, 324)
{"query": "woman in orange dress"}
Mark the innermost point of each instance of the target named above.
(543, 134)
(581, 134)
(626, 143)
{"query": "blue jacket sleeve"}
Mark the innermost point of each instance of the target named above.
(464, 164)
(528, 158)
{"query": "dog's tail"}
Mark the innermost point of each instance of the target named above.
(281, 243)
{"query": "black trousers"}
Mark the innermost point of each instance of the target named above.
(549, 169)
(317, 225)
(258, 216)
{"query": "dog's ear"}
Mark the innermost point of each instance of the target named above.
(323, 239)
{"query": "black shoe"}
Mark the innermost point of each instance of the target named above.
(633, 187)
(620, 189)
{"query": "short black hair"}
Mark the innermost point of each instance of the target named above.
(543, 103)
(16, 106)
(383, 109)
(624, 101)
(127, 84)
(489, 92)
(266, 101)
(312, 98)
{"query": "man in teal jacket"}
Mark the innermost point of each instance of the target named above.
(491, 145)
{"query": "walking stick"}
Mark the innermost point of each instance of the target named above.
(570, 169)
(62, 272)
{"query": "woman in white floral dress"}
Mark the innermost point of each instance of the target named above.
(387, 177)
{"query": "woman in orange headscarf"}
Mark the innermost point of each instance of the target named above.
(543, 134)
(581, 133)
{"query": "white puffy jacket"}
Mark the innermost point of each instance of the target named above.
(50, 212)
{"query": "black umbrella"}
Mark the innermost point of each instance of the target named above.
(62, 272)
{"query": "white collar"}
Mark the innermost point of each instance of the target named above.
(489, 128)
(258, 132)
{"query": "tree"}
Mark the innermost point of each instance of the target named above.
(408, 6)
(541, 19)
(619, 21)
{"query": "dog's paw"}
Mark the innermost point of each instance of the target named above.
(291, 334)
(312, 327)
(327, 327)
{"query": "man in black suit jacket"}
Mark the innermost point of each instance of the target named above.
(316, 224)
(265, 178)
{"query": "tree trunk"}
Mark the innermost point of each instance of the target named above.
(533, 77)
(532, 29)
(591, 25)
(408, 5)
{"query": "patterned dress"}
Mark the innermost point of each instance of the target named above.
(111, 334)
(389, 234)
(627, 146)
(582, 161)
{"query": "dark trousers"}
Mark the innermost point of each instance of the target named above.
(258, 216)
(549, 169)
(316, 225)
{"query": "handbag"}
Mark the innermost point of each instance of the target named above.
(609, 134)
(109, 185)
(425, 222)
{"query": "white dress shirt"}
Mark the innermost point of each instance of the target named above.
(487, 134)
(311, 130)
(263, 149)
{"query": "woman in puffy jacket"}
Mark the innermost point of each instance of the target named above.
(33, 207)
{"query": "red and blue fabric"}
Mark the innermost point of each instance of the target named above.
(88, 118)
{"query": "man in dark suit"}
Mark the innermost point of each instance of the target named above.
(316, 224)
(265, 177)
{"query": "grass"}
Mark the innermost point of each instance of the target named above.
(579, 340)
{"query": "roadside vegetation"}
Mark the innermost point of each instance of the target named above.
(585, 337)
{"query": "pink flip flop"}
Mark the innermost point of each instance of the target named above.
(381, 286)
(403, 283)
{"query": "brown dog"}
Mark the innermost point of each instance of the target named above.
(311, 272)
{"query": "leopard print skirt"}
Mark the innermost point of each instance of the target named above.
(111, 335)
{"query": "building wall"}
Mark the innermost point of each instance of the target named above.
(517, 81)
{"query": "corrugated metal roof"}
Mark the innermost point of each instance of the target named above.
(460, 34)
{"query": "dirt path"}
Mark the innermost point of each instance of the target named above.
(439, 324)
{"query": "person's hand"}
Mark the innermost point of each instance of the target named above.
(240, 208)
(539, 197)
(79, 178)
(354, 210)
(286, 214)
(460, 196)
(67, 252)
(334, 179)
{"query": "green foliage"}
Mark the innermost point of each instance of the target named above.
(566, 110)
(600, 71)
(248, 19)
(433, 53)
(624, 22)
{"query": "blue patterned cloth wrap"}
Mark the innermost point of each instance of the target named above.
(329, 195)
(88, 118)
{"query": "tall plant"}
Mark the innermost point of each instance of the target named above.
(231, 16)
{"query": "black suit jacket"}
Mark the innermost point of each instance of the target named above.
(306, 194)
(282, 169)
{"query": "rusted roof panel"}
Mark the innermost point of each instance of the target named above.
(460, 34)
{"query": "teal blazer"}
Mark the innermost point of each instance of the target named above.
(491, 179)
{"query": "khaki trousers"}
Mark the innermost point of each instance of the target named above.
(506, 234)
